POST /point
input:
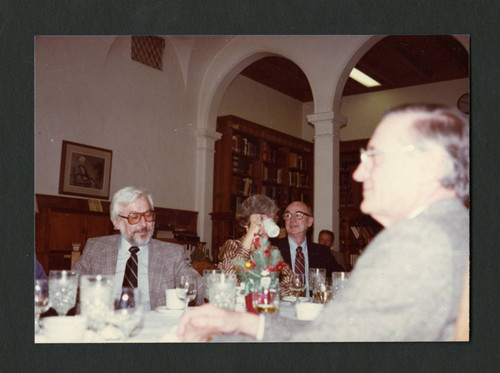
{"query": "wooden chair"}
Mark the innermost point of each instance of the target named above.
(200, 265)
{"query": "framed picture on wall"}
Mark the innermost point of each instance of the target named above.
(85, 170)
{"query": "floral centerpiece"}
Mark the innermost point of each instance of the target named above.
(263, 268)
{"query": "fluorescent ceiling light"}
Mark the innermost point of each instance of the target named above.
(363, 78)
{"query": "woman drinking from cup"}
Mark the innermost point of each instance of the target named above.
(256, 216)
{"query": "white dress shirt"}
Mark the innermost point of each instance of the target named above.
(142, 270)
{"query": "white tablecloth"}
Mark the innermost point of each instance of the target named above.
(158, 327)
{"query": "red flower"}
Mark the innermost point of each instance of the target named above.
(256, 240)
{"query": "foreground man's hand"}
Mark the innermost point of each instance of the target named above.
(201, 323)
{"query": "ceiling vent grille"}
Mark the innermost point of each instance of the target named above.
(148, 50)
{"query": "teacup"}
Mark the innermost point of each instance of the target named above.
(308, 311)
(173, 302)
(271, 228)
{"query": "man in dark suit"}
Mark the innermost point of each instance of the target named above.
(298, 219)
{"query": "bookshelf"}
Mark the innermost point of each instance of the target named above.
(356, 229)
(253, 159)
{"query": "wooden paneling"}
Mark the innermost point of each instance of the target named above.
(62, 221)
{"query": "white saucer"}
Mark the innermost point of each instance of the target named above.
(168, 311)
(291, 299)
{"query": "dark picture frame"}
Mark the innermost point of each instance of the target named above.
(85, 170)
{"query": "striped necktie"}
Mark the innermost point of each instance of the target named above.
(130, 278)
(300, 263)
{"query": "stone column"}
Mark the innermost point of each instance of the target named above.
(205, 150)
(326, 172)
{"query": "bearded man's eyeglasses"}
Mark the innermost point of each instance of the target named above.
(135, 217)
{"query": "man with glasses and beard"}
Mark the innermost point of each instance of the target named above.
(158, 263)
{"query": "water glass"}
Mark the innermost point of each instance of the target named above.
(322, 292)
(316, 275)
(96, 299)
(222, 291)
(297, 285)
(63, 286)
(128, 313)
(187, 288)
(208, 275)
(41, 301)
(339, 279)
(266, 300)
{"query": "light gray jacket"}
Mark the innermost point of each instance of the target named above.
(406, 286)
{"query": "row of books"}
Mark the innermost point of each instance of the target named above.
(236, 202)
(242, 166)
(362, 232)
(243, 186)
(299, 195)
(272, 154)
(298, 161)
(279, 194)
(345, 182)
(272, 174)
(347, 161)
(298, 180)
(244, 145)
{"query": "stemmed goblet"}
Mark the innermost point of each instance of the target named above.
(297, 284)
(186, 288)
(128, 312)
(41, 301)
(63, 286)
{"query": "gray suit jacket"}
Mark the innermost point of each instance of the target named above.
(166, 263)
(406, 286)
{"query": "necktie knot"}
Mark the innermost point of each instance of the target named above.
(134, 250)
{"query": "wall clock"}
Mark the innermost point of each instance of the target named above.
(463, 103)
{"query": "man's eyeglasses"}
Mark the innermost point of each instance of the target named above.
(365, 154)
(297, 215)
(135, 217)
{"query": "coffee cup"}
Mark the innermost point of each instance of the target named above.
(271, 227)
(308, 311)
(173, 302)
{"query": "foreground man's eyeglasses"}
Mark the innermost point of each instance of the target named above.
(365, 154)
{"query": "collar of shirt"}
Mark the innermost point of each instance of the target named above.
(416, 212)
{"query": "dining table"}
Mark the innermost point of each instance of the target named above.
(158, 326)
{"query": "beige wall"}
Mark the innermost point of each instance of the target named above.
(250, 100)
(89, 91)
(363, 111)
